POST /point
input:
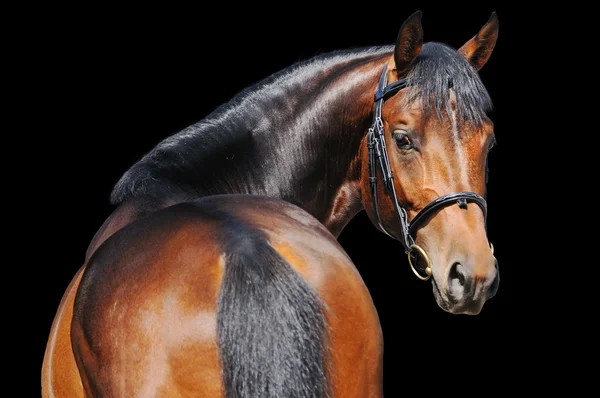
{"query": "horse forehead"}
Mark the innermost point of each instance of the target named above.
(427, 117)
(413, 113)
(448, 127)
(397, 111)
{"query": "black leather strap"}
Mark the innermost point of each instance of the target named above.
(444, 201)
(390, 90)
(378, 156)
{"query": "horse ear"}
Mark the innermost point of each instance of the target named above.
(479, 49)
(409, 43)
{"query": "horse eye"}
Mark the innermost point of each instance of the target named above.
(403, 141)
(492, 144)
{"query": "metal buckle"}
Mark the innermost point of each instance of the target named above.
(408, 239)
(425, 257)
(379, 124)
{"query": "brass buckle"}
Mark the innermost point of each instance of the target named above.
(425, 257)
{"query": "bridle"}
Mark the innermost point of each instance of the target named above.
(378, 156)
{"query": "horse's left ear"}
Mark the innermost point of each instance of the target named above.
(409, 43)
(479, 49)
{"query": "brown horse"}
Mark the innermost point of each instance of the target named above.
(302, 135)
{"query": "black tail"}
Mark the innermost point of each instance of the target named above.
(271, 325)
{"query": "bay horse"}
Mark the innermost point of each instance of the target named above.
(414, 159)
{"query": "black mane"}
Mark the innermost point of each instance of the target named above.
(439, 67)
(265, 140)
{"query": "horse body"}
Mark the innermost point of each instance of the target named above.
(147, 316)
(300, 136)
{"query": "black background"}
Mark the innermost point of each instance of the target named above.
(110, 84)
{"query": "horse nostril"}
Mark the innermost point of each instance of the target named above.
(457, 280)
(456, 274)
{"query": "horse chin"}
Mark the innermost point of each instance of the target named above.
(473, 309)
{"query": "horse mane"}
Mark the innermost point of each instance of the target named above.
(182, 162)
(229, 127)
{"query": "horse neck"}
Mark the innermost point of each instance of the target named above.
(300, 142)
(318, 168)
(336, 198)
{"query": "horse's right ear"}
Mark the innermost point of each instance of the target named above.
(409, 43)
(479, 49)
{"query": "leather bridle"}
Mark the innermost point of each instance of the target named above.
(378, 157)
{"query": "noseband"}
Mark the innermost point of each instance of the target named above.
(378, 157)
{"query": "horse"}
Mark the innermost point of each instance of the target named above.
(322, 135)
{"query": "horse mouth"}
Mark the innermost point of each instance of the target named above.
(443, 304)
(473, 308)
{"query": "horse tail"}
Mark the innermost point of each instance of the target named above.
(271, 328)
